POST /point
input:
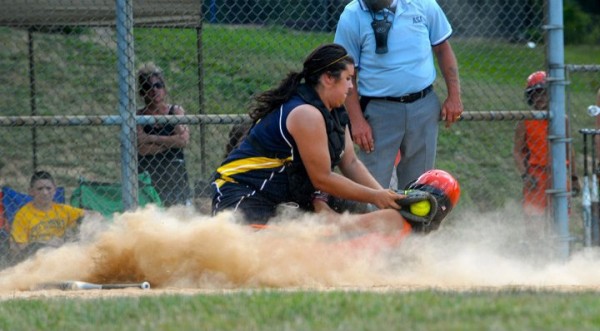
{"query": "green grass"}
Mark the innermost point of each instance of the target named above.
(309, 310)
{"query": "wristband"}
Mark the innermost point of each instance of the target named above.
(321, 196)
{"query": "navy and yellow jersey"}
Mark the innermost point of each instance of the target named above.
(267, 170)
(251, 165)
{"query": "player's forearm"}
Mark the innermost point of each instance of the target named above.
(342, 187)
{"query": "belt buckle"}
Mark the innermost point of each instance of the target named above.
(407, 98)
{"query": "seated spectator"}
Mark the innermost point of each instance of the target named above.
(43, 222)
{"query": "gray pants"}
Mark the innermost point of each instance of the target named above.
(411, 128)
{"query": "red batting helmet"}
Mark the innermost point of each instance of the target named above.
(444, 188)
(535, 81)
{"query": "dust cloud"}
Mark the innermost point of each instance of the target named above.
(178, 248)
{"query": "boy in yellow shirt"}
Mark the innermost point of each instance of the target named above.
(43, 222)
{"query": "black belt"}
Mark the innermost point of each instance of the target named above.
(408, 98)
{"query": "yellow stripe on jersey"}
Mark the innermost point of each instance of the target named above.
(248, 164)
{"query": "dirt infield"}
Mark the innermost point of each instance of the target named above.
(181, 253)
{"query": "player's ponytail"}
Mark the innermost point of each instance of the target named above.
(329, 58)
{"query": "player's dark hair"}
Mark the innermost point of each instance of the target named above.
(329, 58)
(40, 175)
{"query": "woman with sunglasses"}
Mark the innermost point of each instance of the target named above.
(160, 146)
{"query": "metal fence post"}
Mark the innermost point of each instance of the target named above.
(125, 55)
(557, 127)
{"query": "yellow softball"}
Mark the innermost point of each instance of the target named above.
(420, 208)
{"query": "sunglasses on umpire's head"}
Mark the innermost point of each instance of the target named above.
(157, 85)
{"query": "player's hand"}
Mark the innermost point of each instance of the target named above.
(387, 199)
(362, 135)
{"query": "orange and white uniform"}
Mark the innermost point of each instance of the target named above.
(535, 199)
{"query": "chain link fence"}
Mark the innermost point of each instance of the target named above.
(59, 75)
